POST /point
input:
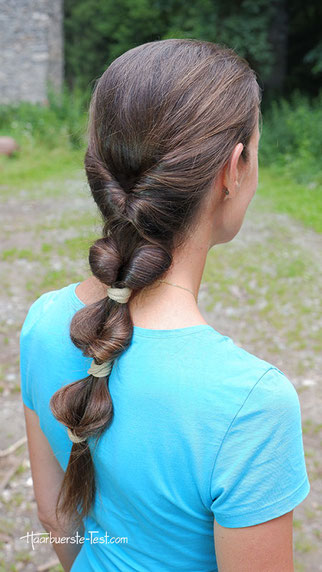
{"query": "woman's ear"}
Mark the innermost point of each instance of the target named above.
(233, 169)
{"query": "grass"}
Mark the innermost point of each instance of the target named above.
(311, 428)
(52, 280)
(82, 222)
(297, 524)
(11, 254)
(77, 247)
(23, 556)
(303, 545)
(303, 202)
(73, 248)
(36, 164)
(279, 280)
(6, 526)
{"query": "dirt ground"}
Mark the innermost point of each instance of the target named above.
(263, 290)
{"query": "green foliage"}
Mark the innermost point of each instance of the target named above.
(281, 40)
(314, 57)
(304, 46)
(62, 121)
(98, 32)
(51, 138)
(292, 137)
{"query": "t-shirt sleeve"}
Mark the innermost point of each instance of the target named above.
(259, 472)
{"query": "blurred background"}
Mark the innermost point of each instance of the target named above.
(263, 289)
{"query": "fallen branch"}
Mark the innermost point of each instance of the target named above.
(13, 447)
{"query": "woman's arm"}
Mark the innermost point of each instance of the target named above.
(265, 547)
(47, 476)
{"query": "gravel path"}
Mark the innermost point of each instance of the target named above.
(262, 289)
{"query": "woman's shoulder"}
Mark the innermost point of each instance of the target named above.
(222, 355)
(236, 376)
(52, 302)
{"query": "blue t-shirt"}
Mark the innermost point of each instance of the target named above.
(202, 429)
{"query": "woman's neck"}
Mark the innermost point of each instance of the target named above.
(161, 306)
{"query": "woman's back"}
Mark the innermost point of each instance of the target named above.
(196, 425)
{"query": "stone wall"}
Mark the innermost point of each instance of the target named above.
(31, 49)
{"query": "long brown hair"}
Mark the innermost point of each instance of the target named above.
(164, 119)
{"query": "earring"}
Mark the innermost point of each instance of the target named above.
(226, 191)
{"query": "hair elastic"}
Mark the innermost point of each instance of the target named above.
(120, 295)
(100, 369)
(74, 437)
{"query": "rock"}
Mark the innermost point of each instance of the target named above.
(8, 145)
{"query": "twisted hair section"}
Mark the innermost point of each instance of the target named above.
(164, 119)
